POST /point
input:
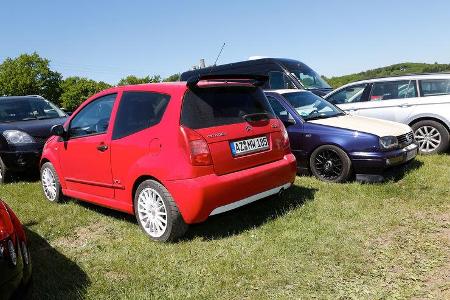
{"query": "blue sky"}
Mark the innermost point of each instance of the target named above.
(107, 40)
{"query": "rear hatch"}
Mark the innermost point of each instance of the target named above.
(237, 123)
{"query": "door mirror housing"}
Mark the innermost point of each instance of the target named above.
(288, 122)
(58, 130)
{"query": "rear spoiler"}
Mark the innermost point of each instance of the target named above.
(256, 80)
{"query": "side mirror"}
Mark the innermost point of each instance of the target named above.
(58, 130)
(288, 122)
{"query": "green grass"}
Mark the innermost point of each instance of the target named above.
(319, 240)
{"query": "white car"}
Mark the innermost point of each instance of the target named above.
(420, 101)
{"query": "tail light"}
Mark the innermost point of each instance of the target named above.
(286, 143)
(197, 146)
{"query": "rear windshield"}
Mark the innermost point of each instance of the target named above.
(216, 106)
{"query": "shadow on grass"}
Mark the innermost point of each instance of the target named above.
(250, 216)
(397, 173)
(235, 221)
(54, 275)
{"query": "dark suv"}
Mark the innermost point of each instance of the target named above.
(25, 123)
(283, 73)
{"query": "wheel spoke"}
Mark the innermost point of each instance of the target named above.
(152, 212)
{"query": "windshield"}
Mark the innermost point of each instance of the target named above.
(307, 76)
(25, 109)
(310, 106)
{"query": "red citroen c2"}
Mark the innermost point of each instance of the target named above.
(172, 154)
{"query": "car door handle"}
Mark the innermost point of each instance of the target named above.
(102, 147)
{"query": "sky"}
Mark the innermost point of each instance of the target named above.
(108, 39)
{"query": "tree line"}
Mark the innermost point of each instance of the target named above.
(30, 74)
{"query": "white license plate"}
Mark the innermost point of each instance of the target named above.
(411, 154)
(250, 145)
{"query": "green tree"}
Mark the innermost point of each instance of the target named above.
(29, 74)
(132, 79)
(171, 78)
(76, 90)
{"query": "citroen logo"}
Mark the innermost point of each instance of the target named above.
(248, 128)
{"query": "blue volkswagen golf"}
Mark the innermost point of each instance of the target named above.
(335, 146)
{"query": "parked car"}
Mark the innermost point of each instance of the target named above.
(421, 101)
(283, 73)
(333, 145)
(15, 260)
(172, 154)
(25, 123)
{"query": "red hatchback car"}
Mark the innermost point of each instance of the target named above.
(172, 154)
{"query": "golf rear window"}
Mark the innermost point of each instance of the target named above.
(216, 106)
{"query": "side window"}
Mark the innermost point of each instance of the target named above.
(279, 109)
(351, 94)
(138, 111)
(435, 87)
(279, 80)
(393, 90)
(93, 118)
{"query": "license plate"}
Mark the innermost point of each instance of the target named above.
(411, 154)
(249, 146)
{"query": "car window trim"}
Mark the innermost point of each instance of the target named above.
(90, 102)
(138, 91)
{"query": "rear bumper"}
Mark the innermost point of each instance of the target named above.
(200, 197)
(375, 163)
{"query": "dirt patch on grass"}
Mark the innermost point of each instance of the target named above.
(85, 236)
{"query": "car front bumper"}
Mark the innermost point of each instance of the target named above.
(375, 163)
(198, 198)
(19, 161)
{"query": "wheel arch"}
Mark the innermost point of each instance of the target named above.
(326, 144)
(138, 181)
(429, 118)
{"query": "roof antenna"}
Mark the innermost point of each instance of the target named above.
(220, 52)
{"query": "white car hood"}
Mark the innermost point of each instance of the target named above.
(368, 125)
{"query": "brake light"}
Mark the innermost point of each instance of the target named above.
(286, 143)
(198, 148)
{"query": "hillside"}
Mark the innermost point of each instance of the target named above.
(397, 69)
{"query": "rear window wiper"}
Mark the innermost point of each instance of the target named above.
(256, 117)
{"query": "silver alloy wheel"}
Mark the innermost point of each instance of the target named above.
(49, 184)
(152, 212)
(428, 138)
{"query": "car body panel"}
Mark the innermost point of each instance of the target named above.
(12, 277)
(349, 134)
(403, 110)
(159, 152)
(25, 157)
(261, 66)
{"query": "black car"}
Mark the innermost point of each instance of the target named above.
(25, 123)
(283, 73)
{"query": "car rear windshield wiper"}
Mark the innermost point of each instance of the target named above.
(256, 117)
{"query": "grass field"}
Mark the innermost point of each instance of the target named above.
(320, 240)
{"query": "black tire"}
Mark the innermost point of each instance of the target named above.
(422, 128)
(58, 197)
(175, 225)
(3, 172)
(330, 163)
